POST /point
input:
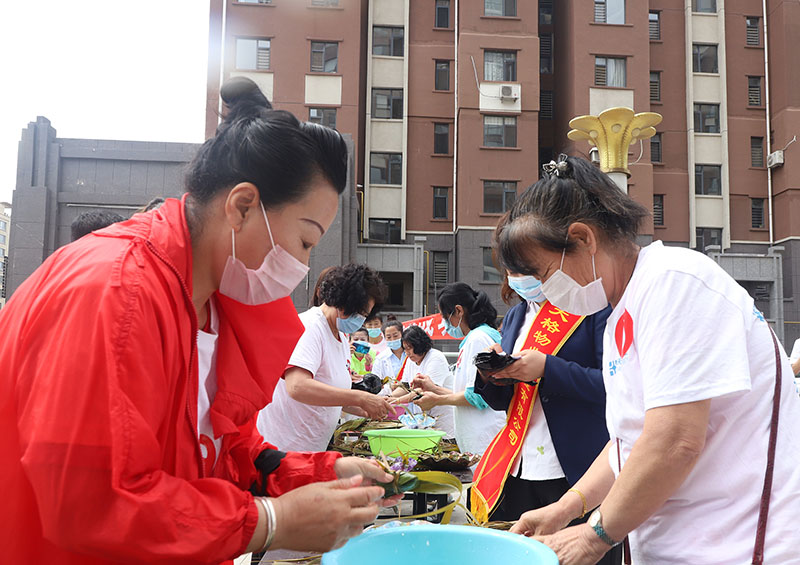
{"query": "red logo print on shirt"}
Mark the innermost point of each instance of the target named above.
(623, 333)
(210, 455)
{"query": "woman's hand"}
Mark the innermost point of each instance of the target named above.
(424, 382)
(428, 400)
(376, 407)
(578, 545)
(543, 521)
(323, 516)
(529, 367)
(370, 470)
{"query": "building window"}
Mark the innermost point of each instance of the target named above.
(252, 54)
(704, 6)
(490, 272)
(658, 209)
(388, 41)
(609, 11)
(507, 8)
(3, 225)
(708, 180)
(546, 53)
(386, 168)
(610, 71)
(655, 26)
(705, 237)
(757, 151)
(757, 212)
(753, 34)
(706, 118)
(254, 1)
(384, 230)
(655, 87)
(704, 58)
(441, 139)
(655, 148)
(324, 57)
(442, 14)
(440, 204)
(754, 91)
(498, 196)
(545, 104)
(500, 131)
(441, 268)
(323, 116)
(387, 104)
(325, 3)
(2, 239)
(442, 81)
(545, 12)
(500, 66)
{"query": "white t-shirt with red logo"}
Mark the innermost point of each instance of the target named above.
(685, 331)
(207, 389)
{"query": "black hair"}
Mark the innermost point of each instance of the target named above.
(574, 191)
(393, 323)
(350, 287)
(270, 148)
(477, 306)
(360, 330)
(419, 341)
(374, 317)
(92, 220)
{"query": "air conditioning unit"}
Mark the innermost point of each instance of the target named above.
(775, 159)
(509, 92)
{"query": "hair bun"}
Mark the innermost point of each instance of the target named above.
(243, 98)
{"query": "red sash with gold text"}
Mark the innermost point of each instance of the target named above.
(551, 328)
(399, 376)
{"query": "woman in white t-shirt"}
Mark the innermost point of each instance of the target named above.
(469, 314)
(689, 366)
(308, 400)
(433, 364)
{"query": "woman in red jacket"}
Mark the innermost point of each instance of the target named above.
(136, 359)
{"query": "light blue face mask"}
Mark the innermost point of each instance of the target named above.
(350, 324)
(528, 287)
(451, 330)
(374, 332)
(395, 344)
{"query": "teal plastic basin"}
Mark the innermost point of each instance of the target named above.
(440, 545)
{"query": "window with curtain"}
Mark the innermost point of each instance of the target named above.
(500, 131)
(252, 54)
(706, 118)
(704, 58)
(610, 71)
(507, 8)
(324, 57)
(708, 180)
(387, 103)
(500, 66)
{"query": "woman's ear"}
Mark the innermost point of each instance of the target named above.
(243, 199)
(584, 236)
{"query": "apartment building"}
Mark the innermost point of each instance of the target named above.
(459, 102)
(5, 230)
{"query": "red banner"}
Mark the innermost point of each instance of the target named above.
(431, 325)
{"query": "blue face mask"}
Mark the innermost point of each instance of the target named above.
(395, 344)
(528, 287)
(374, 332)
(451, 330)
(350, 324)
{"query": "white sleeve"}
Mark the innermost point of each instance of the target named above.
(691, 342)
(308, 352)
(795, 351)
(439, 370)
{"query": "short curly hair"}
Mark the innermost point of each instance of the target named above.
(418, 340)
(350, 287)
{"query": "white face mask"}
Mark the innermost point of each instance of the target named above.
(564, 292)
(277, 277)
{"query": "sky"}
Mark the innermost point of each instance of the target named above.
(102, 69)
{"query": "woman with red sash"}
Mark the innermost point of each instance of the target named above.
(137, 358)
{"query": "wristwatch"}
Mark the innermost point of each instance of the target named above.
(596, 522)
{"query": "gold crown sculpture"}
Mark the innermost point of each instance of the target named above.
(612, 132)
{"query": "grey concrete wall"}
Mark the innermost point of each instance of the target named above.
(791, 296)
(469, 264)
